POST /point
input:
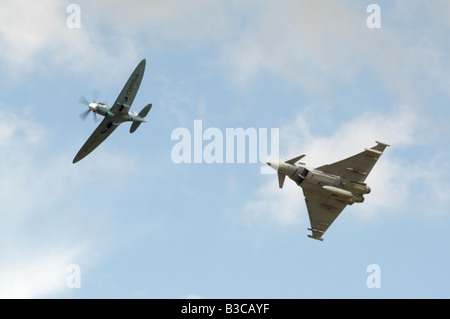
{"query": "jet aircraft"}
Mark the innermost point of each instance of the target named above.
(116, 114)
(330, 188)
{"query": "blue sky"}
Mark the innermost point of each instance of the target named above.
(139, 225)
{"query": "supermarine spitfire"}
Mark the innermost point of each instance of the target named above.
(116, 114)
(330, 188)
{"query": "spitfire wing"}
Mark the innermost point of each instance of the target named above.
(323, 209)
(129, 91)
(357, 167)
(103, 130)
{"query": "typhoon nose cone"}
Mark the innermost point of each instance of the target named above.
(273, 164)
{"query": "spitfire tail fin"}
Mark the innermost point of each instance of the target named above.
(143, 113)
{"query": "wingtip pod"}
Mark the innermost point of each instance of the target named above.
(382, 143)
(380, 147)
(316, 238)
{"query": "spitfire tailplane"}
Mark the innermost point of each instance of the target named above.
(140, 118)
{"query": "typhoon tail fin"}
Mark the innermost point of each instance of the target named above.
(142, 114)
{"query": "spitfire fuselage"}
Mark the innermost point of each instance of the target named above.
(105, 110)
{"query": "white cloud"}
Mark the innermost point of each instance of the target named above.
(25, 28)
(191, 24)
(32, 265)
(317, 44)
(37, 275)
(312, 44)
(281, 206)
(294, 39)
(35, 36)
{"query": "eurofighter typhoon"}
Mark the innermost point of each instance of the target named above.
(330, 188)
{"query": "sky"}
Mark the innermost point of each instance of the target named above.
(129, 221)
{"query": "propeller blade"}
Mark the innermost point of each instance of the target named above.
(84, 114)
(96, 118)
(84, 100)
